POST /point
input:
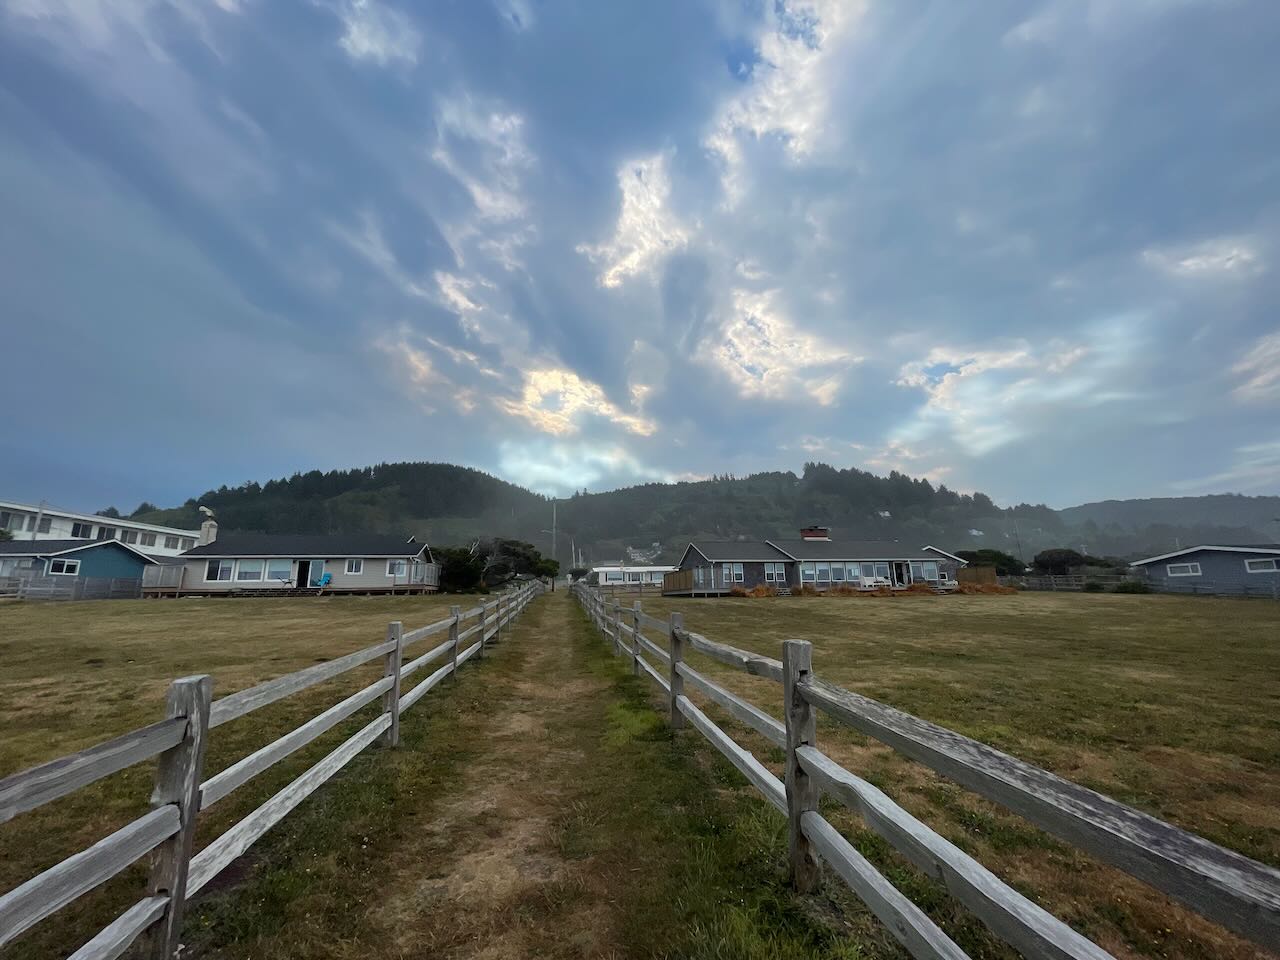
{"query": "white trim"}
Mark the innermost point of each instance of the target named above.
(1190, 572)
(231, 564)
(1270, 551)
(88, 544)
(189, 555)
(402, 573)
(93, 518)
(64, 572)
(949, 556)
(262, 571)
(359, 571)
(1274, 561)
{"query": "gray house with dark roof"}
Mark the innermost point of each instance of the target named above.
(285, 564)
(1250, 569)
(712, 567)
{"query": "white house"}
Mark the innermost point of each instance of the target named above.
(41, 522)
(629, 575)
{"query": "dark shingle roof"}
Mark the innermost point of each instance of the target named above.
(43, 548)
(296, 545)
(718, 551)
(851, 550)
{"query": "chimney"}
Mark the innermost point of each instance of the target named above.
(208, 531)
(815, 532)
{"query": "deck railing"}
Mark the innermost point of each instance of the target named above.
(181, 791)
(1226, 887)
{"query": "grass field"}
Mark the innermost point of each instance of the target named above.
(1170, 704)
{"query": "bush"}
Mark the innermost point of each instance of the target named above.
(805, 590)
(1093, 586)
(762, 590)
(1132, 586)
(737, 592)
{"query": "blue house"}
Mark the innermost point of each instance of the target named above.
(1241, 569)
(71, 558)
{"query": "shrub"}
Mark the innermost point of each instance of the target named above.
(762, 590)
(1132, 586)
(1093, 586)
(805, 590)
(737, 592)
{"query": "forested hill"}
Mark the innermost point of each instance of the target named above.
(442, 503)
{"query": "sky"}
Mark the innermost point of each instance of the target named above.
(1027, 248)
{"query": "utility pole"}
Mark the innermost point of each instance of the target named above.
(553, 529)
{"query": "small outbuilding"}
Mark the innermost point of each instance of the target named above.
(1248, 569)
(105, 558)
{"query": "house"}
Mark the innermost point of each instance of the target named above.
(288, 564)
(1226, 569)
(629, 576)
(813, 560)
(72, 558)
(40, 522)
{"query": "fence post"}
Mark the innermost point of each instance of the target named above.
(453, 639)
(617, 628)
(391, 668)
(802, 793)
(676, 679)
(497, 636)
(484, 626)
(177, 781)
(635, 638)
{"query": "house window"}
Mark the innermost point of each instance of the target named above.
(81, 531)
(1183, 569)
(931, 570)
(837, 573)
(851, 572)
(64, 568)
(633, 577)
(613, 576)
(868, 571)
(1262, 566)
(217, 570)
(43, 525)
(882, 570)
(917, 570)
(738, 575)
(280, 571)
(31, 523)
(250, 570)
(171, 543)
(148, 539)
(807, 571)
(355, 566)
(106, 533)
(697, 575)
(5, 518)
(824, 572)
(775, 572)
(396, 568)
(186, 543)
(128, 536)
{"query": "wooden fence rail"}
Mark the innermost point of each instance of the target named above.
(1221, 885)
(179, 741)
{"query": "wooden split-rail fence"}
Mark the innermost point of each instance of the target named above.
(1226, 887)
(179, 740)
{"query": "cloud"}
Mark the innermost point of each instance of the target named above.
(1254, 468)
(646, 230)
(556, 401)
(1219, 257)
(1259, 370)
(375, 31)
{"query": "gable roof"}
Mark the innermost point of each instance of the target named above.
(304, 546)
(1266, 549)
(734, 551)
(56, 548)
(949, 556)
(848, 550)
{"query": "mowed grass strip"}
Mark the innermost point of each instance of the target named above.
(75, 674)
(1169, 704)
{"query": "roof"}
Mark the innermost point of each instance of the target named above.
(95, 518)
(849, 550)
(634, 568)
(949, 556)
(1263, 548)
(739, 551)
(300, 545)
(56, 548)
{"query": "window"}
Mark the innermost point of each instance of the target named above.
(824, 572)
(738, 574)
(64, 568)
(5, 518)
(931, 570)
(31, 523)
(1262, 566)
(106, 533)
(280, 571)
(217, 570)
(697, 575)
(1183, 569)
(633, 577)
(81, 531)
(43, 525)
(851, 572)
(882, 570)
(837, 573)
(775, 572)
(868, 571)
(613, 576)
(186, 543)
(807, 571)
(128, 536)
(250, 570)
(396, 568)
(355, 566)
(171, 543)
(147, 539)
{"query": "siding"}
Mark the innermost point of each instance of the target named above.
(1220, 572)
(372, 577)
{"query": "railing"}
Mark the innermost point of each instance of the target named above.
(1267, 587)
(180, 740)
(1226, 887)
(69, 588)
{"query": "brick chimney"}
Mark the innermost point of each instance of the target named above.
(208, 531)
(815, 532)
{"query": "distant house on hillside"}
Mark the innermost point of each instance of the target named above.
(286, 564)
(1227, 569)
(714, 567)
(72, 558)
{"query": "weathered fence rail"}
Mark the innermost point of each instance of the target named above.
(27, 587)
(1221, 885)
(179, 741)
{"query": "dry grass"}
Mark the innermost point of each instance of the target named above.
(1169, 704)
